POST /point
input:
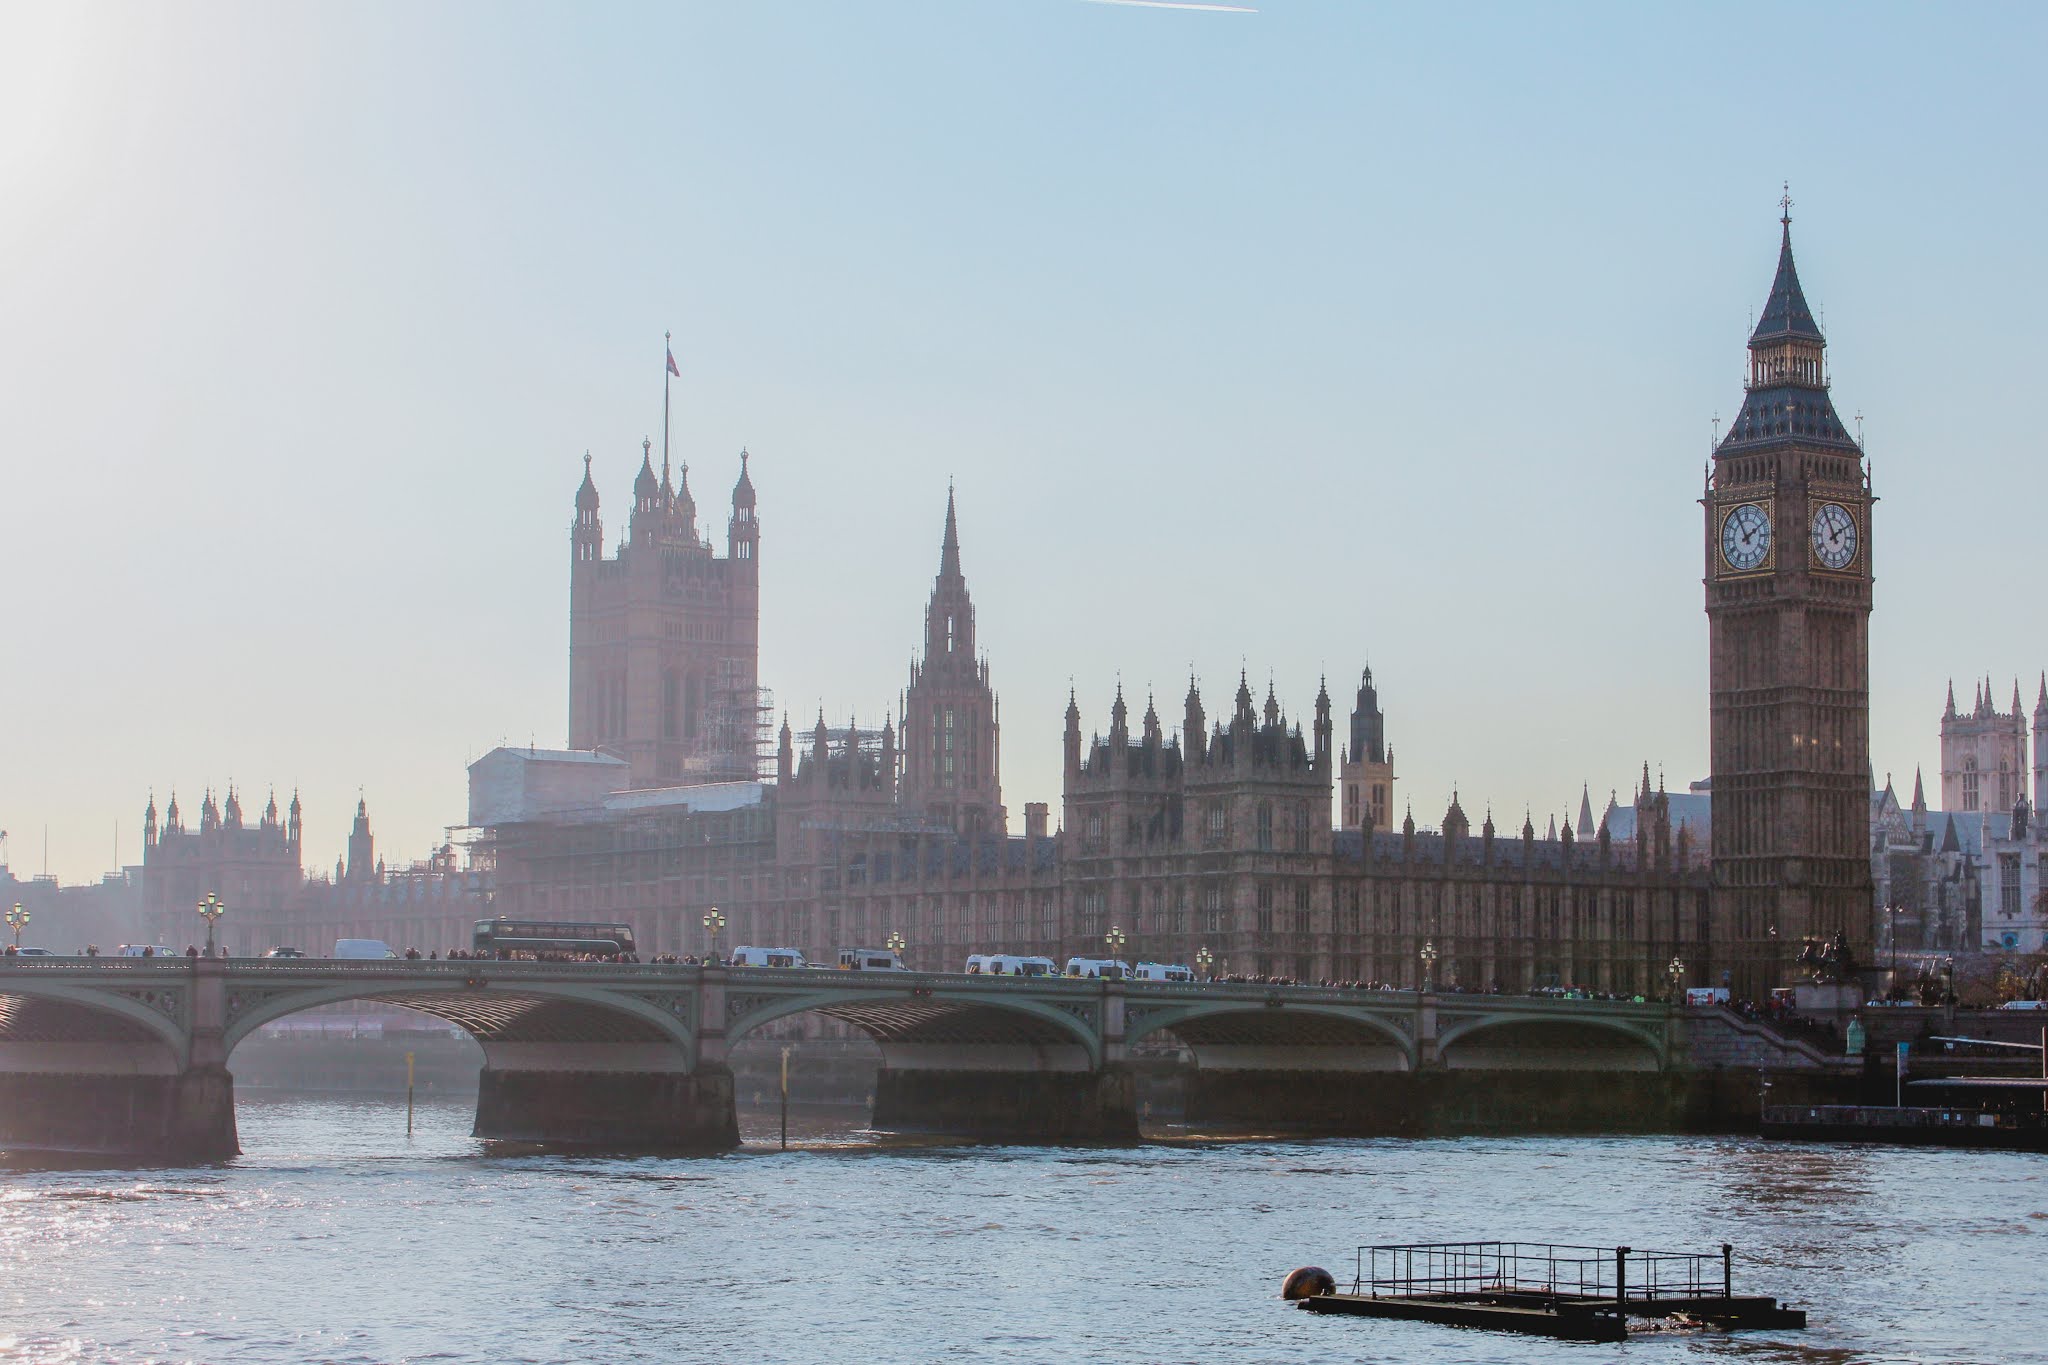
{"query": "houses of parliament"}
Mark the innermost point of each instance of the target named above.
(1229, 830)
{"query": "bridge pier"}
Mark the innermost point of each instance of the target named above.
(672, 1111)
(1017, 1106)
(187, 1117)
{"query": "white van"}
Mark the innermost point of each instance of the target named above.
(1162, 971)
(744, 956)
(870, 960)
(372, 948)
(1108, 968)
(1010, 964)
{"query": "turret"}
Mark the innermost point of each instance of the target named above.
(233, 818)
(785, 754)
(646, 498)
(586, 535)
(1456, 825)
(270, 811)
(1323, 732)
(361, 847)
(1119, 725)
(1154, 737)
(149, 823)
(743, 532)
(1073, 738)
(294, 822)
(1194, 737)
(681, 510)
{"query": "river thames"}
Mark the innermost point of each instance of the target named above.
(335, 1238)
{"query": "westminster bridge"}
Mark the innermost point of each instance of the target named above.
(131, 1054)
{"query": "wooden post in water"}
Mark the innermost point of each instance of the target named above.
(408, 1094)
(785, 1099)
(1727, 1271)
(1621, 1284)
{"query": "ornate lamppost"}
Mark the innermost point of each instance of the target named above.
(17, 920)
(896, 944)
(1428, 962)
(1204, 960)
(1115, 939)
(1676, 970)
(211, 909)
(713, 922)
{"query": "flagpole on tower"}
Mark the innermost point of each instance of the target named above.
(668, 367)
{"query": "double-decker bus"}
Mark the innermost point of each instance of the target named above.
(525, 937)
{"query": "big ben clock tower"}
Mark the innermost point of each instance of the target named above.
(1788, 575)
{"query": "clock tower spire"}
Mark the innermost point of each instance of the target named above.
(1788, 588)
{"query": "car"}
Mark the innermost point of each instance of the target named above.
(2008, 1005)
(34, 952)
(284, 952)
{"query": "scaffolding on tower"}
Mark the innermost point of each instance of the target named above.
(736, 743)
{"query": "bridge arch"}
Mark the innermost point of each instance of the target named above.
(1535, 1039)
(500, 1014)
(914, 1016)
(1291, 1036)
(51, 1014)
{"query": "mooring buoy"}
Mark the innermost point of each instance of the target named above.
(1308, 1282)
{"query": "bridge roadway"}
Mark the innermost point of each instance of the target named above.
(130, 1055)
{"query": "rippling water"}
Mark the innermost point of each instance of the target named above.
(337, 1239)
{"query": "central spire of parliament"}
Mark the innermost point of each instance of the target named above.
(950, 729)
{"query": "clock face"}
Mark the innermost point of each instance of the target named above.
(1746, 536)
(1834, 535)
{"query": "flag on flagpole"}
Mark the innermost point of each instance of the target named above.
(672, 364)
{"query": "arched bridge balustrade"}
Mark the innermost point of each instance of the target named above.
(635, 1054)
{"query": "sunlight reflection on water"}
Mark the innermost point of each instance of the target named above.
(337, 1238)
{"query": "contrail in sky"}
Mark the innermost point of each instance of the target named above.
(1180, 4)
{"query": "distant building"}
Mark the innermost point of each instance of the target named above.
(256, 871)
(1971, 878)
(664, 636)
(1984, 752)
(1213, 838)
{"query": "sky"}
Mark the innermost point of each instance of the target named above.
(1328, 335)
